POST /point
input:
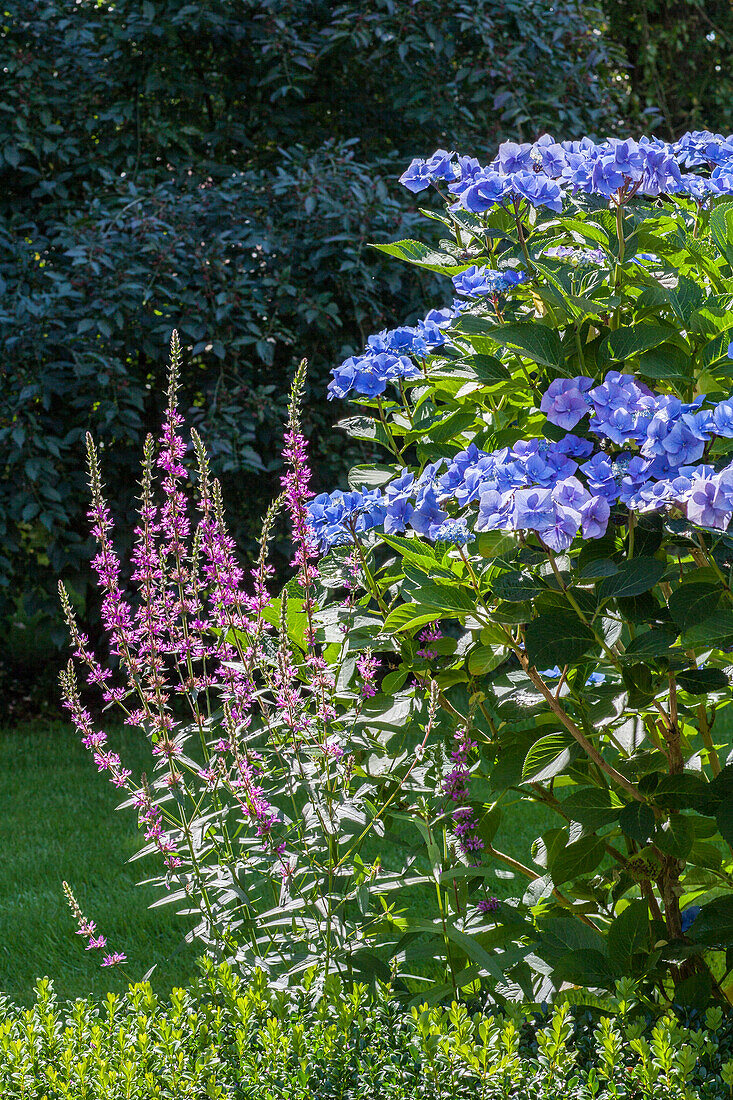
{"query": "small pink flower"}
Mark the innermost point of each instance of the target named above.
(113, 959)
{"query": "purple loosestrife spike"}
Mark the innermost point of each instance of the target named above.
(87, 928)
(92, 739)
(117, 615)
(297, 493)
(367, 666)
(455, 785)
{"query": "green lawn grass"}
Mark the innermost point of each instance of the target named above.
(58, 821)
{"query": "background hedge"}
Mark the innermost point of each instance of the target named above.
(221, 167)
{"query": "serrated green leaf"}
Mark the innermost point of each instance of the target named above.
(450, 426)
(577, 859)
(716, 630)
(700, 681)
(627, 342)
(693, 602)
(549, 756)
(516, 587)
(409, 616)
(593, 807)
(676, 836)
(653, 643)
(446, 597)
(634, 576)
(665, 361)
(637, 821)
(415, 252)
(365, 427)
(484, 658)
(628, 934)
(373, 476)
(557, 639)
(721, 229)
(536, 341)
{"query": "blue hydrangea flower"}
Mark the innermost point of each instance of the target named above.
(512, 157)
(398, 503)
(599, 475)
(594, 516)
(707, 506)
(534, 510)
(421, 173)
(494, 511)
(468, 170)
(475, 282)
(564, 402)
(538, 189)
(427, 515)
(370, 374)
(333, 516)
(485, 190)
(452, 530)
(688, 916)
(621, 408)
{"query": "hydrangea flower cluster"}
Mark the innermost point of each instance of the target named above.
(652, 459)
(542, 173)
(476, 282)
(386, 358)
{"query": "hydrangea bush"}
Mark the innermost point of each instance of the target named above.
(525, 597)
(553, 505)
